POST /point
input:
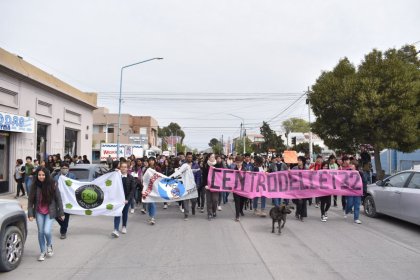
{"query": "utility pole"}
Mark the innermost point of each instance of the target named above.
(223, 146)
(310, 130)
(244, 139)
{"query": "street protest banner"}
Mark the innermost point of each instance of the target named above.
(288, 184)
(160, 188)
(103, 196)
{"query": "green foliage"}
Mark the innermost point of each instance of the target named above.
(239, 146)
(296, 125)
(173, 129)
(271, 139)
(304, 148)
(377, 103)
(216, 145)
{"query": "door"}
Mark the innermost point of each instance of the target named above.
(388, 198)
(410, 200)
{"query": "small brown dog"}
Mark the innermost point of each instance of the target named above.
(278, 214)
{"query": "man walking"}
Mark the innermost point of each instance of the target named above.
(64, 224)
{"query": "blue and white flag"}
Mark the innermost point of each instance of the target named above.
(160, 188)
(102, 196)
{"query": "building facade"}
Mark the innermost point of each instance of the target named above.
(140, 130)
(40, 115)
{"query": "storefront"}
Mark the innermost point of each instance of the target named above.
(10, 124)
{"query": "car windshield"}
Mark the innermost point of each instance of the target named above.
(81, 174)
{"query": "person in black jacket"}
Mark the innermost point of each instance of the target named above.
(129, 185)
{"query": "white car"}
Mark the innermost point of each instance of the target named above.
(397, 196)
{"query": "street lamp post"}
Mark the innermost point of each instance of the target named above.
(120, 99)
(242, 128)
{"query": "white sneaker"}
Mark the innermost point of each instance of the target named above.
(115, 233)
(323, 219)
(132, 211)
(143, 211)
(345, 215)
(50, 251)
(316, 205)
(358, 221)
(219, 208)
(326, 216)
(42, 257)
(124, 230)
(152, 221)
(165, 206)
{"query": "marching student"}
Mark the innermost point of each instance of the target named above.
(44, 204)
(301, 209)
(211, 197)
(239, 200)
(151, 206)
(129, 185)
(19, 177)
(258, 162)
(64, 223)
(325, 200)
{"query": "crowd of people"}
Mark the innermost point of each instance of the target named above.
(45, 205)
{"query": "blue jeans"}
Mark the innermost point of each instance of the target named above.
(124, 217)
(255, 203)
(225, 197)
(28, 183)
(353, 201)
(44, 223)
(276, 201)
(151, 208)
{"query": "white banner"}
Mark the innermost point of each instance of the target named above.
(16, 123)
(103, 196)
(160, 188)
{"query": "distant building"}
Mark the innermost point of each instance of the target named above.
(134, 130)
(40, 115)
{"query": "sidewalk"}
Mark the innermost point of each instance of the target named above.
(22, 199)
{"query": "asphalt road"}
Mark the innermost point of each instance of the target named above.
(382, 248)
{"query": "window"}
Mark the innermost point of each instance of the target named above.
(96, 129)
(41, 142)
(397, 181)
(70, 144)
(110, 129)
(415, 181)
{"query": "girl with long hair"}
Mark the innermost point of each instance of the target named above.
(44, 205)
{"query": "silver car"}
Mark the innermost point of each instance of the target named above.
(397, 196)
(85, 172)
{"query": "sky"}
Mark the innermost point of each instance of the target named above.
(251, 59)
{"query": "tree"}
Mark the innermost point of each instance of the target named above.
(239, 146)
(216, 145)
(376, 104)
(173, 129)
(271, 139)
(296, 125)
(304, 148)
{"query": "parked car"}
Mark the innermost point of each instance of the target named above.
(86, 172)
(397, 196)
(13, 232)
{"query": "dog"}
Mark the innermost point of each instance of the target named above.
(278, 214)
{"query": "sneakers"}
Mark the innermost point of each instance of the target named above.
(358, 221)
(42, 257)
(326, 215)
(214, 215)
(202, 210)
(185, 217)
(132, 211)
(316, 205)
(63, 236)
(345, 215)
(323, 219)
(256, 212)
(50, 251)
(219, 208)
(165, 206)
(124, 230)
(209, 217)
(237, 220)
(143, 211)
(152, 221)
(263, 214)
(115, 233)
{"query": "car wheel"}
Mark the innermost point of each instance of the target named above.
(11, 247)
(370, 208)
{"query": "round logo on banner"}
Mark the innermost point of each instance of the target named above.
(89, 196)
(170, 188)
